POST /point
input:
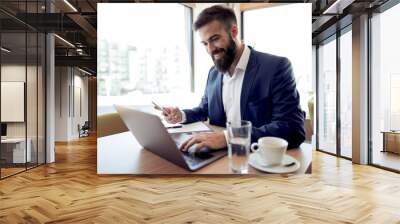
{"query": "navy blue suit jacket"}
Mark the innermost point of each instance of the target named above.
(269, 100)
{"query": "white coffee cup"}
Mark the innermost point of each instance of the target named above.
(270, 149)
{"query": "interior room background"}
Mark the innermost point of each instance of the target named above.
(164, 61)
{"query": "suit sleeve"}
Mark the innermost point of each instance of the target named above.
(199, 113)
(287, 117)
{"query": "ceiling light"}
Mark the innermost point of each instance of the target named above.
(79, 51)
(64, 40)
(70, 5)
(84, 71)
(5, 50)
(337, 7)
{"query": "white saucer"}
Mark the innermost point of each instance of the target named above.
(255, 161)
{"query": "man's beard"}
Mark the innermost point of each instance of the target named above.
(226, 59)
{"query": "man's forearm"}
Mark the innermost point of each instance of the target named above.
(194, 115)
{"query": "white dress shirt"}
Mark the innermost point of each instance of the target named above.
(232, 89)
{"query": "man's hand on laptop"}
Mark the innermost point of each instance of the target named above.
(172, 114)
(214, 140)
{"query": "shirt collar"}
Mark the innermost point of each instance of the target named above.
(244, 59)
(242, 63)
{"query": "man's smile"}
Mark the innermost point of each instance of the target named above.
(218, 55)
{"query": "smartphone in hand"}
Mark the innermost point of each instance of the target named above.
(158, 107)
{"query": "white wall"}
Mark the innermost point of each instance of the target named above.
(33, 126)
(12, 101)
(61, 103)
(70, 84)
(81, 94)
(290, 37)
(12, 73)
(16, 73)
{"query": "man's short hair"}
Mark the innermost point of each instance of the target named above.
(221, 13)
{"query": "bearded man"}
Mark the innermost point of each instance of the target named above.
(244, 84)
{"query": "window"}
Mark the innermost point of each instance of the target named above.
(140, 62)
(346, 94)
(394, 101)
(289, 37)
(22, 65)
(385, 87)
(327, 96)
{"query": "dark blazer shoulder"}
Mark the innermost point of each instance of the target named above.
(270, 60)
(213, 71)
(213, 74)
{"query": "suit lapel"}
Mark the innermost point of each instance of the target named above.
(219, 95)
(249, 76)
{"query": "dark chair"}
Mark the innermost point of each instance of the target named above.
(84, 130)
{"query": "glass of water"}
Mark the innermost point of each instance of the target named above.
(239, 135)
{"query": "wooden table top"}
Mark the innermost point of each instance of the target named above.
(122, 154)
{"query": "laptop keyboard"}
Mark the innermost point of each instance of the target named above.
(193, 155)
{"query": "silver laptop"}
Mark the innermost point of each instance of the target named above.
(153, 136)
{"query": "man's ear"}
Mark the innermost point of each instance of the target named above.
(234, 31)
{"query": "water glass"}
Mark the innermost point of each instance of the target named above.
(239, 135)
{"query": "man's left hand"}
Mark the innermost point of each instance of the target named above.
(214, 140)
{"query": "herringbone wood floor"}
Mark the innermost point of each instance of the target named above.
(69, 191)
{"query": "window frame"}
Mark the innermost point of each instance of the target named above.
(381, 9)
(333, 37)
